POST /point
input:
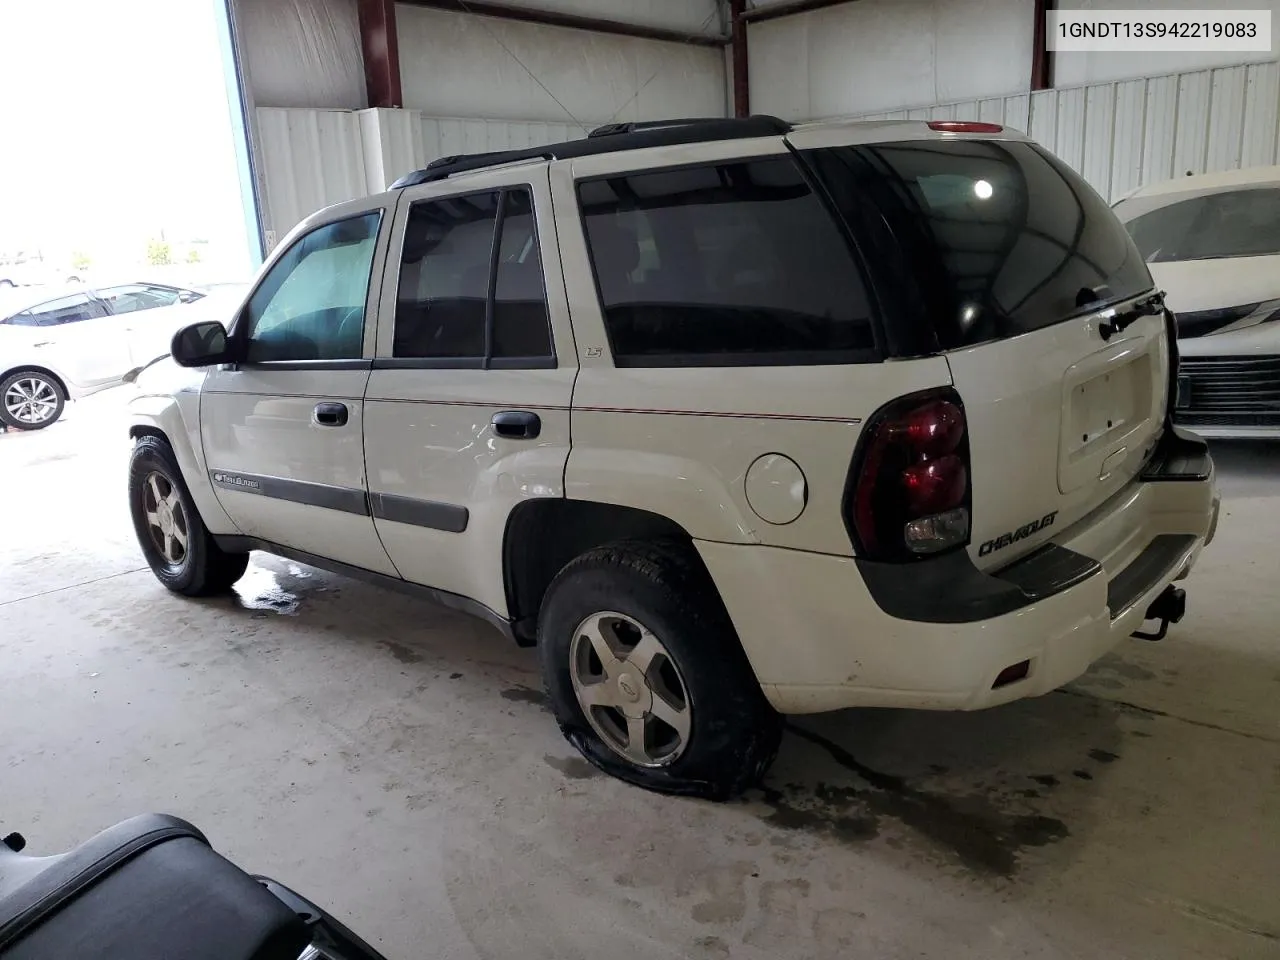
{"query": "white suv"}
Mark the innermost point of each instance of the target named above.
(733, 419)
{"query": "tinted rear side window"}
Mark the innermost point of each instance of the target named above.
(450, 270)
(1238, 223)
(444, 277)
(1003, 237)
(730, 264)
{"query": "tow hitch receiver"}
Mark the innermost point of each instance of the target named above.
(1168, 608)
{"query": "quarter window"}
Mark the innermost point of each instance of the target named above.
(734, 264)
(462, 297)
(136, 296)
(311, 303)
(70, 309)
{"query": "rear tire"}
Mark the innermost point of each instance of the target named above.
(30, 400)
(635, 632)
(179, 549)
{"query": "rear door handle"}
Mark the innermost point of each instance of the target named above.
(516, 424)
(331, 414)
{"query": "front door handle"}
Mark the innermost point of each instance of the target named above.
(516, 424)
(331, 414)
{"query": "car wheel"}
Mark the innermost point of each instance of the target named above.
(30, 400)
(5, 282)
(177, 546)
(646, 675)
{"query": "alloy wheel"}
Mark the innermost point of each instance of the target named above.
(166, 518)
(31, 400)
(630, 689)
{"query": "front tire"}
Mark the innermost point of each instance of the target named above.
(646, 675)
(30, 400)
(179, 549)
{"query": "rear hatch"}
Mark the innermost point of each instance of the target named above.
(1043, 308)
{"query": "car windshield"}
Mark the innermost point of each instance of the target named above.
(1234, 223)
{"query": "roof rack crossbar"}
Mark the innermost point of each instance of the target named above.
(609, 138)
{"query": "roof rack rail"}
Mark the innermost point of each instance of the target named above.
(609, 138)
(633, 126)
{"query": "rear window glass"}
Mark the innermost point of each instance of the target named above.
(729, 264)
(1238, 223)
(1003, 237)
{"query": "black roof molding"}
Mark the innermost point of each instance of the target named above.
(610, 138)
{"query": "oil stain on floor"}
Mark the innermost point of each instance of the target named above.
(972, 828)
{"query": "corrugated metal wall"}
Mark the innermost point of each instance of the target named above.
(307, 159)
(1129, 133)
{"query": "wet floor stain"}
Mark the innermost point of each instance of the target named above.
(1045, 779)
(1082, 774)
(1103, 756)
(526, 695)
(972, 828)
(401, 652)
(575, 768)
(259, 590)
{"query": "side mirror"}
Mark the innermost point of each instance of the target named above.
(200, 345)
(190, 296)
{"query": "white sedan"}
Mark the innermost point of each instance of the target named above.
(1213, 243)
(57, 345)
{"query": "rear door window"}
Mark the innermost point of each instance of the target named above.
(735, 263)
(1001, 237)
(460, 297)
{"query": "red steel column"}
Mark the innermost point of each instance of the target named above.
(381, 52)
(1041, 58)
(741, 76)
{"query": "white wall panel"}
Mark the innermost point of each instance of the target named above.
(454, 64)
(1226, 118)
(301, 53)
(1070, 133)
(1161, 124)
(1043, 124)
(1071, 69)
(393, 145)
(307, 159)
(1261, 105)
(1127, 150)
(877, 55)
(1123, 135)
(1098, 153)
(1191, 134)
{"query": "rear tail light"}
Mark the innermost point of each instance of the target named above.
(964, 126)
(908, 493)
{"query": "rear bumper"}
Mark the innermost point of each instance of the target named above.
(819, 636)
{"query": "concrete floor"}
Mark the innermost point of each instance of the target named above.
(394, 761)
